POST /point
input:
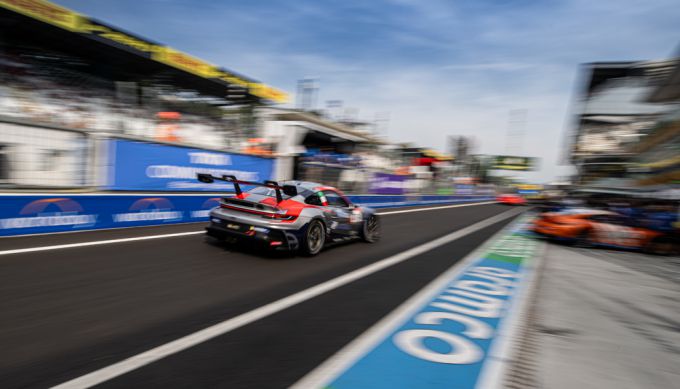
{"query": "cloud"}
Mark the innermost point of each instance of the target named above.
(503, 66)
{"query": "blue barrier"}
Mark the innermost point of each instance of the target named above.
(159, 167)
(39, 214)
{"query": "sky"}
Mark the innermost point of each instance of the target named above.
(436, 68)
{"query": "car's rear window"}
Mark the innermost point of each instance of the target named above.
(264, 191)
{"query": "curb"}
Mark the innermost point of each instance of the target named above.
(504, 360)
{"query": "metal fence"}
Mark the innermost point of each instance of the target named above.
(34, 155)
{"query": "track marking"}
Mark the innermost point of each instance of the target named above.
(135, 362)
(507, 342)
(173, 235)
(492, 371)
(434, 208)
(97, 243)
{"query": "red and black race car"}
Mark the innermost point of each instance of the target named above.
(290, 215)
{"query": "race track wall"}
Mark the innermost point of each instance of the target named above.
(49, 213)
(148, 166)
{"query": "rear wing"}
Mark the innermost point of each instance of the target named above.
(289, 190)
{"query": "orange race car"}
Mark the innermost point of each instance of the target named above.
(588, 227)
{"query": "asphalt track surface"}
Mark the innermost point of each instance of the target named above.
(67, 312)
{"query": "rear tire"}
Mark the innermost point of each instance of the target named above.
(661, 246)
(583, 240)
(315, 238)
(371, 229)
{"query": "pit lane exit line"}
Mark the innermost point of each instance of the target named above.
(98, 242)
(137, 361)
(178, 234)
(488, 289)
(434, 208)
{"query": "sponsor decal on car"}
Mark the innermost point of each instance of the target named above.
(356, 216)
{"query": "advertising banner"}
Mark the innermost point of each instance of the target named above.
(115, 37)
(509, 162)
(464, 189)
(21, 215)
(387, 184)
(54, 14)
(46, 12)
(158, 167)
(184, 62)
(268, 93)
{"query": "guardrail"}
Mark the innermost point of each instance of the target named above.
(49, 213)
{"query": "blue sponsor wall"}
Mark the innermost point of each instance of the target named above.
(42, 214)
(146, 166)
(20, 215)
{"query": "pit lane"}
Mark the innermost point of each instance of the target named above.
(67, 312)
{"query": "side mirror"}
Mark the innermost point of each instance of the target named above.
(290, 190)
(206, 178)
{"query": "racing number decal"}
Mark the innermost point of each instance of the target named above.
(616, 235)
(355, 216)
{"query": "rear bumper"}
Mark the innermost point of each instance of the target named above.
(261, 236)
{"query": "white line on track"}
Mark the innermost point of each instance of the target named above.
(97, 243)
(508, 340)
(173, 235)
(135, 362)
(434, 208)
(333, 367)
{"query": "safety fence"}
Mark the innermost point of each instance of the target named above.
(43, 156)
(49, 213)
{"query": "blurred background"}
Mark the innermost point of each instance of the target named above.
(90, 107)
(109, 109)
(72, 84)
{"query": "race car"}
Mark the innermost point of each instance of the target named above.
(291, 215)
(511, 199)
(592, 227)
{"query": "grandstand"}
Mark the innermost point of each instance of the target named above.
(58, 67)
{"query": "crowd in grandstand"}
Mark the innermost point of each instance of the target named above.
(52, 88)
(63, 97)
